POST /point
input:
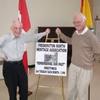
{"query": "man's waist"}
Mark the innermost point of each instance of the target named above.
(83, 65)
(14, 62)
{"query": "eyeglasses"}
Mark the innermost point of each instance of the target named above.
(77, 22)
(18, 28)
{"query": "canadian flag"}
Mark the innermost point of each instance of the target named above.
(24, 18)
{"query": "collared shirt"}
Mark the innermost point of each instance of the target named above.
(83, 32)
(13, 48)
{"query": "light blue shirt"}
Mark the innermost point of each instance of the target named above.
(13, 48)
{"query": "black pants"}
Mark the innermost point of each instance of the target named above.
(15, 75)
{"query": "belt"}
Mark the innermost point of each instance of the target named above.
(14, 62)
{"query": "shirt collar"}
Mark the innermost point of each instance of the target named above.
(83, 32)
(12, 36)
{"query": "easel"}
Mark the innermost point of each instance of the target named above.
(60, 77)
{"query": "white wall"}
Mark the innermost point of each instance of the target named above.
(53, 12)
(42, 13)
(8, 12)
(96, 10)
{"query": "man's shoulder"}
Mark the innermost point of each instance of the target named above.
(90, 33)
(5, 35)
(91, 36)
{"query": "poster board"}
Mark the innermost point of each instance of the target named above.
(51, 59)
(1, 68)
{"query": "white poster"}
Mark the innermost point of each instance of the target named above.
(51, 59)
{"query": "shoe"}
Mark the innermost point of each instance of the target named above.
(30, 93)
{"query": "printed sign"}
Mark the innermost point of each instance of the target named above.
(51, 59)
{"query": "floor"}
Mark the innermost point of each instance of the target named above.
(51, 88)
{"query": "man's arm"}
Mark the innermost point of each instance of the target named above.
(3, 40)
(2, 55)
(63, 36)
(95, 46)
(33, 37)
(40, 35)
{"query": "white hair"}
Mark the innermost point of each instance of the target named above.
(81, 15)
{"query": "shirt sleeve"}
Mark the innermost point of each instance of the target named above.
(2, 40)
(33, 37)
(95, 46)
(2, 55)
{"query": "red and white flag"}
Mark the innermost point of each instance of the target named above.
(24, 18)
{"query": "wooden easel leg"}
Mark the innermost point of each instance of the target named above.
(62, 87)
(37, 87)
(89, 93)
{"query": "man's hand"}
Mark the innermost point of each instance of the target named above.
(58, 31)
(47, 31)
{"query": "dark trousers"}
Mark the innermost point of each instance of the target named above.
(15, 75)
